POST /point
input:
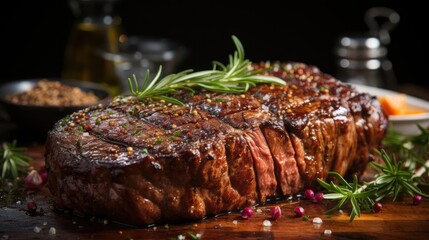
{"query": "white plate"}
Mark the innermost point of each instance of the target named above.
(404, 124)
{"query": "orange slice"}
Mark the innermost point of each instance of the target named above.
(395, 104)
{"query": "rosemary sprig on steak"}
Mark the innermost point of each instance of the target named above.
(12, 160)
(236, 77)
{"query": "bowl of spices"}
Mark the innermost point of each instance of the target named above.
(35, 105)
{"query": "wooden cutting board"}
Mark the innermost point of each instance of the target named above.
(398, 220)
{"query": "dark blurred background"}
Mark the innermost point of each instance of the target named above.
(35, 33)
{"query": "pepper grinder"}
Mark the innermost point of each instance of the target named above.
(361, 58)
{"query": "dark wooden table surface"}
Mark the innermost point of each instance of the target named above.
(398, 220)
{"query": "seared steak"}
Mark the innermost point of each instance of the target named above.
(141, 162)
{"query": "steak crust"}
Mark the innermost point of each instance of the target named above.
(141, 162)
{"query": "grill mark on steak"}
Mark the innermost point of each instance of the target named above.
(148, 133)
(134, 107)
(219, 105)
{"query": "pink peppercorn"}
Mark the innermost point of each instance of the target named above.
(299, 211)
(309, 194)
(276, 212)
(417, 199)
(377, 207)
(318, 197)
(246, 213)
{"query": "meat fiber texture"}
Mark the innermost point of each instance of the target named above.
(145, 162)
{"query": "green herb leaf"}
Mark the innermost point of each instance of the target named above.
(412, 149)
(353, 193)
(236, 77)
(193, 235)
(13, 160)
(394, 179)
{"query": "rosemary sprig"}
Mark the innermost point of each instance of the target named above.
(414, 149)
(236, 77)
(13, 160)
(393, 179)
(348, 193)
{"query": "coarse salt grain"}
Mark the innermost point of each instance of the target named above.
(317, 220)
(327, 232)
(266, 223)
(259, 210)
(37, 229)
(52, 231)
(266, 97)
(181, 237)
(235, 222)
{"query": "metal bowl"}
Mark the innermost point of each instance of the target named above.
(32, 122)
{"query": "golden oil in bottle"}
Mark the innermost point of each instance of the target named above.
(96, 32)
